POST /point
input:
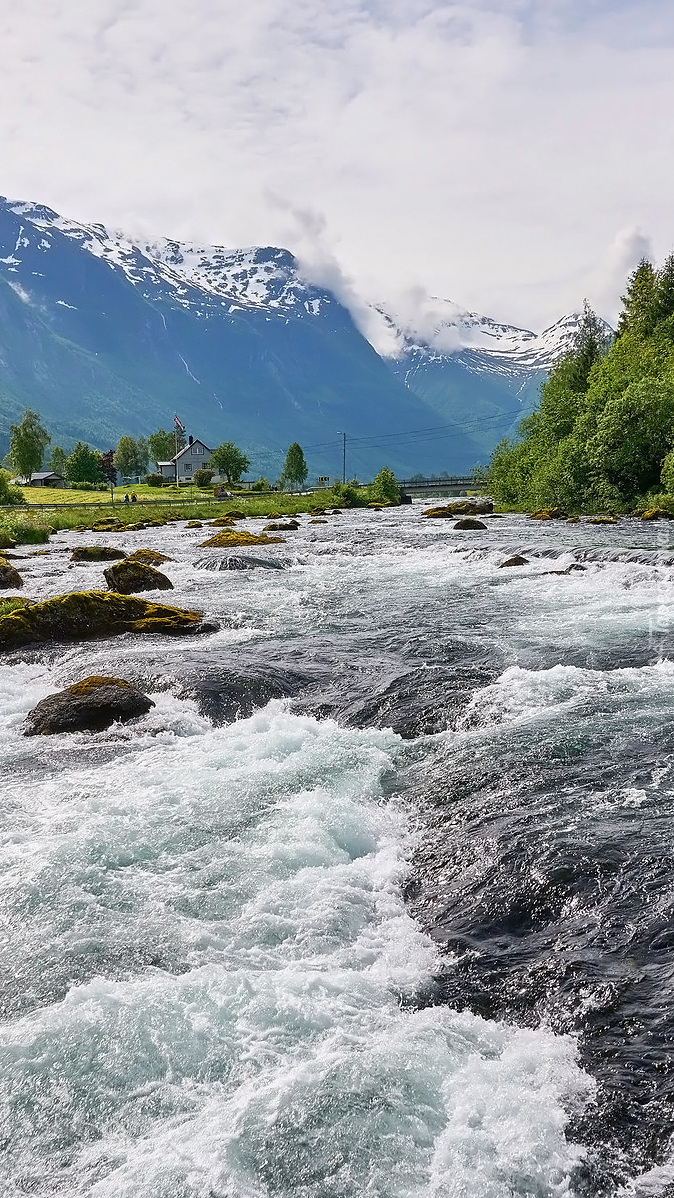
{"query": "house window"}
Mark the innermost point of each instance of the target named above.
(188, 467)
(198, 449)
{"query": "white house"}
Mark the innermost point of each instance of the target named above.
(184, 464)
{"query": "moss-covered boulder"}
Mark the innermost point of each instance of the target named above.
(90, 705)
(280, 526)
(96, 553)
(127, 577)
(10, 579)
(194, 524)
(602, 520)
(656, 513)
(84, 615)
(6, 542)
(460, 507)
(549, 513)
(148, 557)
(233, 536)
(318, 520)
(469, 523)
(16, 603)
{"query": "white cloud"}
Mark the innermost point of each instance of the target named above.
(487, 151)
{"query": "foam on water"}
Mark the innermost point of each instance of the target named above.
(222, 970)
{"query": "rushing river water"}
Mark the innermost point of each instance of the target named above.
(377, 901)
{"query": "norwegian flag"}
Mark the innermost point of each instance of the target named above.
(178, 423)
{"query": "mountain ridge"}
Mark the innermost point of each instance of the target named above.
(115, 333)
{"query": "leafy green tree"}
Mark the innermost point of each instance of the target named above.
(384, 487)
(262, 484)
(230, 461)
(125, 457)
(28, 441)
(295, 469)
(633, 436)
(83, 465)
(162, 445)
(58, 459)
(131, 456)
(639, 314)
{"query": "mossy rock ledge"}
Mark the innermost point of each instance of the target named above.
(90, 705)
(148, 557)
(128, 576)
(460, 507)
(468, 523)
(96, 553)
(86, 615)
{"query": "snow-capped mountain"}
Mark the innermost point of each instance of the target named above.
(105, 335)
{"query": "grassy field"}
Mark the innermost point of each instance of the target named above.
(28, 526)
(40, 495)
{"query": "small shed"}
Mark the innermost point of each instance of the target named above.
(46, 478)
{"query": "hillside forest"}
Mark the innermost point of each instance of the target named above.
(602, 437)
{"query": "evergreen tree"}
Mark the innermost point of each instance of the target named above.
(295, 470)
(664, 290)
(83, 465)
(230, 461)
(639, 302)
(590, 344)
(28, 441)
(58, 459)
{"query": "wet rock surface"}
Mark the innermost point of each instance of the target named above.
(92, 705)
(129, 576)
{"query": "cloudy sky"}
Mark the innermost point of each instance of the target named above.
(513, 155)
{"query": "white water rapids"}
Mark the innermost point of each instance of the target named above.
(208, 969)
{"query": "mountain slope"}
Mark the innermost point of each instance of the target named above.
(483, 374)
(105, 337)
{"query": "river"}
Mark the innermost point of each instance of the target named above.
(376, 902)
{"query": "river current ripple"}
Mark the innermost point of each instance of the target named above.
(376, 901)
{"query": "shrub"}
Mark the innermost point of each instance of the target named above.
(348, 495)
(155, 480)
(88, 486)
(24, 530)
(8, 493)
(203, 477)
(262, 484)
(384, 488)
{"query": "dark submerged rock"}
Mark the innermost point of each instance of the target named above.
(468, 523)
(237, 563)
(90, 705)
(128, 577)
(515, 560)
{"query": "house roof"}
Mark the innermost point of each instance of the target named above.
(46, 474)
(187, 449)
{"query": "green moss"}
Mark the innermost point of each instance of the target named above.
(82, 615)
(87, 685)
(148, 557)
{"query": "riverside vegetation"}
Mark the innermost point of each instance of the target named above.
(602, 438)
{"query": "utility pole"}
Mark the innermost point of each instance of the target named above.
(343, 457)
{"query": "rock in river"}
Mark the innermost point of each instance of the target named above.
(515, 560)
(83, 615)
(10, 579)
(128, 576)
(96, 553)
(469, 523)
(92, 704)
